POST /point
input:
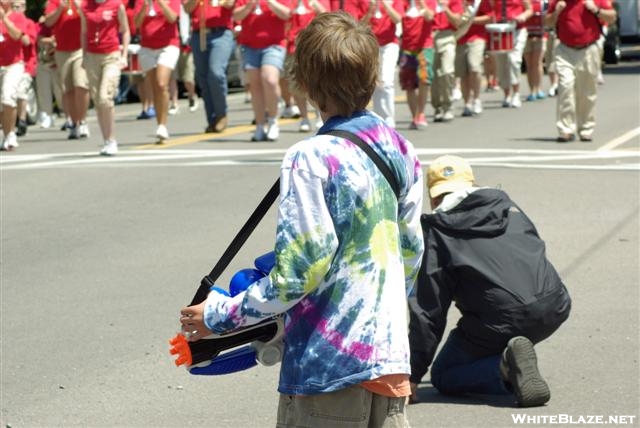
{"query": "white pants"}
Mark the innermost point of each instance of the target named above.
(385, 93)
(508, 65)
(577, 82)
(48, 87)
(444, 43)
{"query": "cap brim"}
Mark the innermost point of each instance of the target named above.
(448, 187)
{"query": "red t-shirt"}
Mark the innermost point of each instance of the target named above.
(11, 50)
(266, 29)
(67, 28)
(103, 25)
(513, 8)
(156, 32)
(30, 53)
(577, 26)
(477, 31)
(298, 21)
(440, 20)
(417, 32)
(534, 25)
(131, 16)
(383, 27)
(214, 16)
(355, 8)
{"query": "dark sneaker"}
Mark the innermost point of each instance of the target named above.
(519, 359)
(21, 128)
(565, 138)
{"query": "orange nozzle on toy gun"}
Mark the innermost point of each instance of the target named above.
(180, 346)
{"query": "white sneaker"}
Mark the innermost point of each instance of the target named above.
(456, 94)
(553, 90)
(305, 125)
(173, 109)
(506, 102)
(83, 130)
(109, 148)
(448, 116)
(291, 112)
(476, 107)
(46, 121)
(273, 130)
(10, 141)
(162, 133)
(259, 134)
(193, 104)
(516, 102)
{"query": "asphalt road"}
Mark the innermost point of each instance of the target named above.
(99, 254)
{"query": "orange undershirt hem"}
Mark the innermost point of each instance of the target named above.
(393, 385)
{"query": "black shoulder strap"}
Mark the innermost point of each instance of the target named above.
(237, 242)
(375, 157)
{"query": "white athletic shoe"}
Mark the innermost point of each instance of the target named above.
(259, 134)
(162, 133)
(291, 112)
(273, 130)
(476, 107)
(10, 141)
(516, 101)
(109, 148)
(46, 121)
(305, 125)
(83, 130)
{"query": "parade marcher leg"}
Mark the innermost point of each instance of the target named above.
(566, 107)
(586, 87)
(384, 95)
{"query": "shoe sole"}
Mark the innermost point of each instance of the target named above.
(529, 387)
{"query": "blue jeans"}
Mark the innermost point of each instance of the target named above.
(211, 70)
(457, 371)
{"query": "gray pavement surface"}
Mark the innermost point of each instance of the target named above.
(99, 254)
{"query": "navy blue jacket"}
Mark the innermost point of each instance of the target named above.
(485, 255)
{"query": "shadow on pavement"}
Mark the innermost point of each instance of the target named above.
(427, 394)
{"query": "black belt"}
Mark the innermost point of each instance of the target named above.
(580, 46)
(211, 30)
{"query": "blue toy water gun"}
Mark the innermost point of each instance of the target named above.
(262, 342)
(247, 346)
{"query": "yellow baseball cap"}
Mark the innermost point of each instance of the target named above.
(447, 174)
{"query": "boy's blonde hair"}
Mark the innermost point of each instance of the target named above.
(336, 62)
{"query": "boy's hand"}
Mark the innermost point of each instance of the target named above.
(192, 320)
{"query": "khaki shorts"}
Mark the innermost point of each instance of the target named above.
(103, 71)
(185, 70)
(353, 407)
(10, 78)
(535, 44)
(151, 58)
(470, 58)
(72, 75)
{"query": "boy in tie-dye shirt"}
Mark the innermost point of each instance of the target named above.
(347, 250)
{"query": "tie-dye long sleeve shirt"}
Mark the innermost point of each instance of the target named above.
(347, 251)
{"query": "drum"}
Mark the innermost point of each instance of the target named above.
(133, 64)
(502, 36)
